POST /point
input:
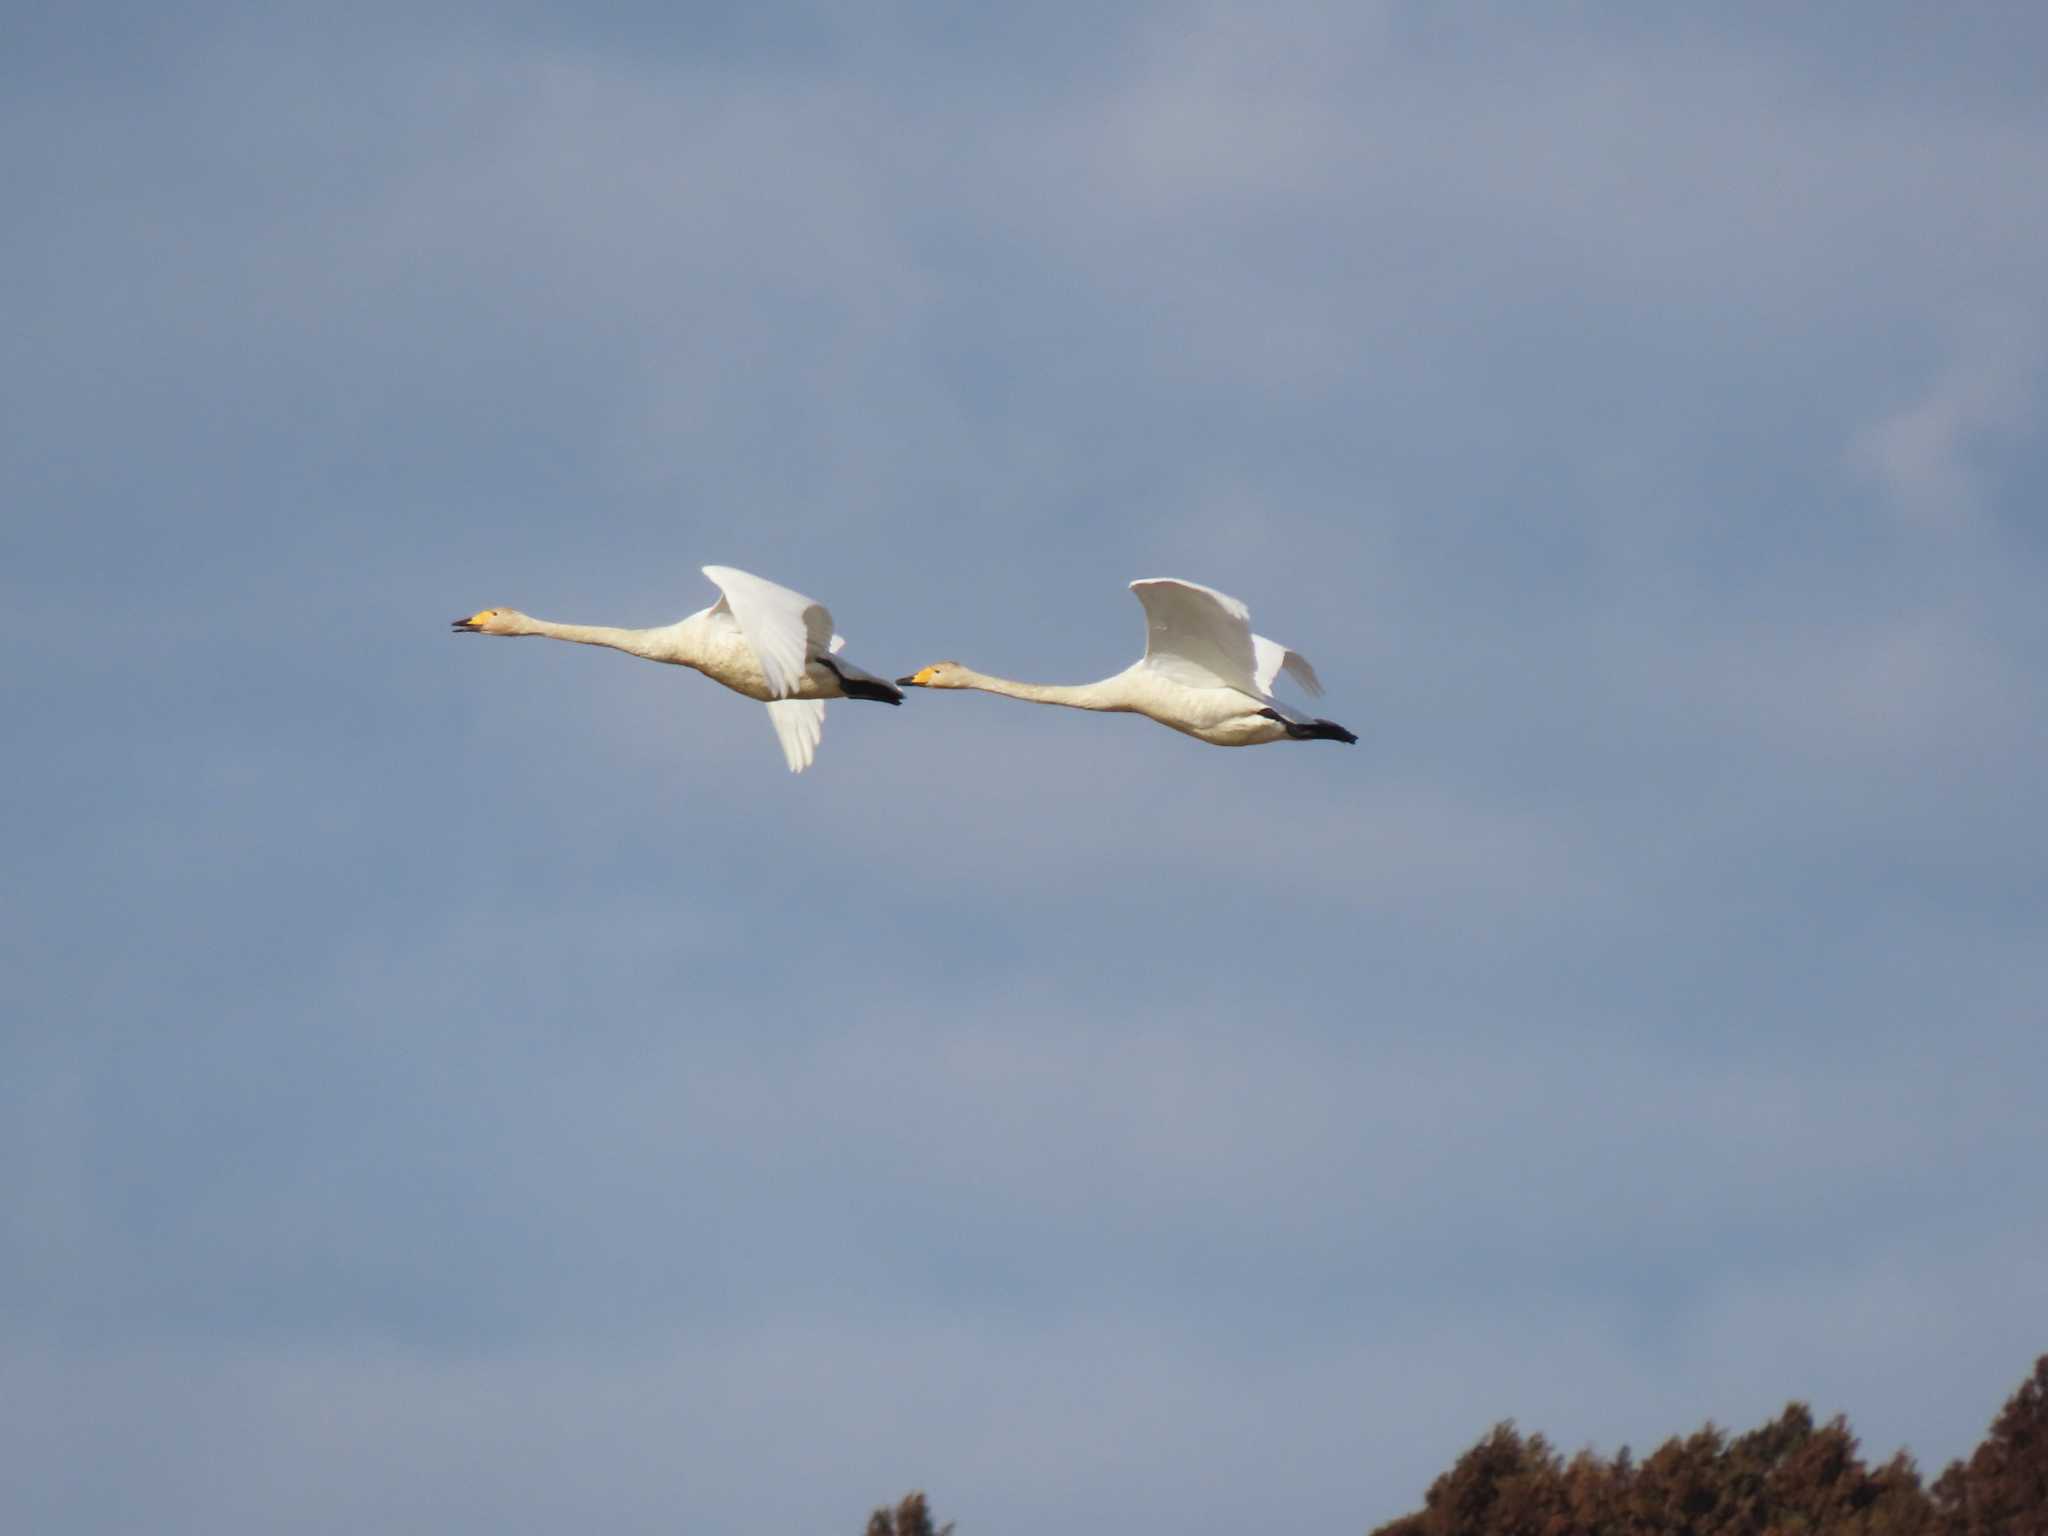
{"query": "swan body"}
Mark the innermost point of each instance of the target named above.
(758, 639)
(1204, 674)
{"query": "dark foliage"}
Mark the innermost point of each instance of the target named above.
(2002, 1490)
(1788, 1478)
(910, 1518)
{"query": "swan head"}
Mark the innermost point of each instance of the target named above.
(494, 621)
(940, 674)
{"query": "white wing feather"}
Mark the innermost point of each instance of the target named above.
(1198, 636)
(1273, 657)
(782, 627)
(799, 723)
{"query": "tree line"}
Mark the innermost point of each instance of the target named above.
(1790, 1477)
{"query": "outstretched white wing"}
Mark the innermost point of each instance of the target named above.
(800, 723)
(1272, 657)
(783, 628)
(1198, 636)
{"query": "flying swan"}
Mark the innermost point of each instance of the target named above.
(1203, 672)
(758, 639)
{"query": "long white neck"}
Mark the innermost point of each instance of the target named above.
(649, 643)
(1102, 695)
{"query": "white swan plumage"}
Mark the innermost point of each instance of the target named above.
(1204, 673)
(758, 639)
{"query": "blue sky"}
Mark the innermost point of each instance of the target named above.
(458, 1084)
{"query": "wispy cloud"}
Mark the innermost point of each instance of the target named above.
(1926, 457)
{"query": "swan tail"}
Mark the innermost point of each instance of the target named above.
(1319, 730)
(859, 683)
